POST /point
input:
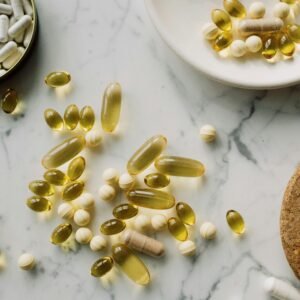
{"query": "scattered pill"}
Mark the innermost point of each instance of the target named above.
(187, 248)
(83, 235)
(280, 289)
(235, 8)
(269, 48)
(93, 138)
(177, 229)
(125, 211)
(238, 48)
(285, 45)
(210, 31)
(98, 243)
(142, 223)
(56, 177)
(281, 10)
(87, 118)
(221, 19)
(157, 180)
(53, 119)
(86, 201)
(41, 188)
(57, 79)
(102, 266)
(185, 213)
(71, 116)
(9, 101)
(158, 222)
(38, 203)
(107, 192)
(72, 190)
(111, 176)
(208, 231)
(126, 181)
(257, 10)
(82, 217)
(76, 167)
(262, 26)
(26, 262)
(253, 43)
(235, 221)
(66, 210)
(294, 32)
(112, 226)
(61, 233)
(208, 133)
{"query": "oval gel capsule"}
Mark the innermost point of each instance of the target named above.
(87, 118)
(76, 168)
(185, 213)
(102, 266)
(57, 79)
(56, 177)
(157, 180)
(53, 119)
(125, 211)
(41, 188)
(38, 203)
(72, 190)
(177, 229)
(61, 233)
(71, 117)
(112, 227)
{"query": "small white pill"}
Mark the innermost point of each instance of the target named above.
(253, 43)
(187, 248)
(20, 26)
(208, 133)
(83, 235)
(2, 72)
(66, 210)
(82, 217)
(208, 231)
(280, 289)
(86, 201)
(93, 138)
(257, 10)
(238, 48)
(5, 9)
(28, 35)
(17, 8)
(27, 7)
(26, 261)
(7, 50)
(107, 192)
(281, 10)
(126, 181)
(97, 243)
(159, 222)
(14, 58)
(4, 23)
(142, 223)
(210, 31)
(110, 176)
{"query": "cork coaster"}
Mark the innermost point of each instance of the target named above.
(290, 222)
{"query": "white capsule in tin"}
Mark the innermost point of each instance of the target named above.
(14, 58)
(4, 21)
(20, 26)
(7, 50)
(28, 35)
(5, 9)
(27, 7)
(2, 72)
(17, 8)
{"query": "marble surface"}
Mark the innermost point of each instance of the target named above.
(247, 168)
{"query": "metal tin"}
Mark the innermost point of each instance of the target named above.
(31, 43)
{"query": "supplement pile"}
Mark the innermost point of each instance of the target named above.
(243, 33)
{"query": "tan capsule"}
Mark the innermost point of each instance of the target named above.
(260, 26)
(71, 116)
(235, 8)
(130, 264)
(38, 203)
(112, 227)
(143, 243)
(185, 213)
(125, 211)
(179, 166)
(76, 168)
(57, 79)
(221, 19)
(222, 41)
(56, 177)
(286, 45)
(72, 190)
(111, 107)
(177, 229)
(9, 101)
(146, 154)
(87, 118)
(102, 266)
(53, 119)
(61, 233)
(157, 180)
(63, 152)
(235, 221)
(41, 188)
(151, 198)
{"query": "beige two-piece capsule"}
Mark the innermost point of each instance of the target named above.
(266, 25)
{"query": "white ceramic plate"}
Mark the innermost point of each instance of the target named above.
(180, 22)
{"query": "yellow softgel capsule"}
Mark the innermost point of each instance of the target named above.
(222, 41)
(41, 188)
(179, 166)
(130, 264)
(294, 32)
(146, 154)
(63, 152)
(111, 107)
(102, 266)
(71, 116)
(269, 49)
(112, 226)
(61, 233)
(72, 190)
(56, 177)
(53, 119)
(289, 1)
(38, 203)
(157, 180)
(151, 198)
(177, 229)
(76, 168)
(57, 79)
(286, 45)
(235, 222)
(87, 118)
(9, 101)
(221, 19)
(235, 8)
(125, 211)
(185, 213)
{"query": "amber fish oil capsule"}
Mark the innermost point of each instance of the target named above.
(41, 188)
(87, 118)
(38, 203)
(146, 154)
(185, 213)
(294, 32)
(112, 226)
(111, 107)
(9, 101)
(57, 79)
(76, 168)
(56, 177)
(235, 8)
(53, 119)
(130, 264)
(151, 198)
(63, 152)
(222, 41)
(221, 19)
(177, 229)
(71, 116)
(288, 1)
(102, 266)
(61, 233)
(72, 190)
(286, 45)
(179, 166)
(269, 47)
(235, 221)
(125, 211)
(157, 180)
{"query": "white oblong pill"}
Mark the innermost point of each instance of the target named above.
(27, 7)
(17, 8)
(28, 35)
(14, 58)
(4, 22)
(7, 50)
(20, 26)
(5, 9)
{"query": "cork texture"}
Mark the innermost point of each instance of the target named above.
(290, 222)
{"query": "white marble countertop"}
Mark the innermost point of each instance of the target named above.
(247, 169)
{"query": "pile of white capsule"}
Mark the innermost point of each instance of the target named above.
(16, 30)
